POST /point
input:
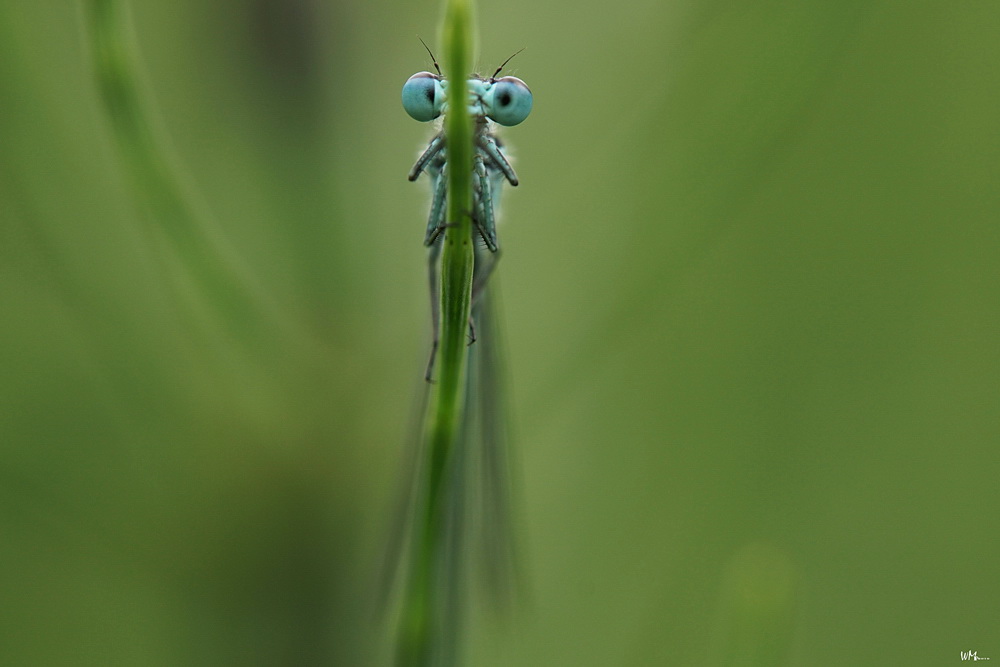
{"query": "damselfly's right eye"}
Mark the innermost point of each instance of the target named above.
(423, 96)
(508, 101)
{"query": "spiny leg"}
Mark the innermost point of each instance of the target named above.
(484, 200)
(487, 143)
(433, 148)
(432, 274)
(435, 221)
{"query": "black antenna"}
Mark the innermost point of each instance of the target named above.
(506, 61)
(434, 60)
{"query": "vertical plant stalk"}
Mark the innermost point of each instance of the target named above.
(211, 264)
(457, 261)
(429, 629)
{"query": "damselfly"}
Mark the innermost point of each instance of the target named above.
(459, 491)
(505, 101)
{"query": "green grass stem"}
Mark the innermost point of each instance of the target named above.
(429, 627)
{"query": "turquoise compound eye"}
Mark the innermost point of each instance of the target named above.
(423, 96)
(509, 101)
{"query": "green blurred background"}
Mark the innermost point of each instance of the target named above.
(752, 320)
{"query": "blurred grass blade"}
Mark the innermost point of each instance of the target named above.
(757, 609)
(210, 263)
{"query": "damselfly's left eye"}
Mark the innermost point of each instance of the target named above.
(423, 96)
(509, 101)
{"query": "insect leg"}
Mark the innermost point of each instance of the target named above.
(433, 148)
(487, 143)
(484, 220)
(435, 221)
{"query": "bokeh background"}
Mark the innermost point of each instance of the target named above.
(751, 311)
